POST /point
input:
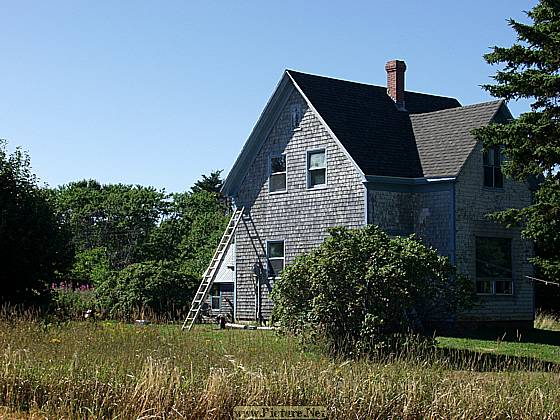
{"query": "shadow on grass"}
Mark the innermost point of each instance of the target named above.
(534, 335)
(488, 361)
(472, 360)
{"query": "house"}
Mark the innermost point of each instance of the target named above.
(328, 152)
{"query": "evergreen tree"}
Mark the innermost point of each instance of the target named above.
(530, 69)
(211, 183)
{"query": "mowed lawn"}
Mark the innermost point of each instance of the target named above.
(125, 371)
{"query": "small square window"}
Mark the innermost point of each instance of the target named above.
(277, 179)
(316, 168)
(275, 255)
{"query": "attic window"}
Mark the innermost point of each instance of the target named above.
(296, 116)
(277, 179)
(492, 164)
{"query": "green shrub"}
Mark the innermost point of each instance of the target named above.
(70, 302)
(158, 286)
(362, 290)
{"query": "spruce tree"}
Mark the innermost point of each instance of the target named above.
(530, 69)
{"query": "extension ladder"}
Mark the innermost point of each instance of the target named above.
(212, 270)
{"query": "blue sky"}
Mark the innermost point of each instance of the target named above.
(159, 92)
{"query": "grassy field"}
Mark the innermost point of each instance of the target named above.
(113, 370)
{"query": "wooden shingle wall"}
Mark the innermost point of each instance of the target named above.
(299, 216)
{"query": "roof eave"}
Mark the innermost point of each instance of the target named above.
(258, 134)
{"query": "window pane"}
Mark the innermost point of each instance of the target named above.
(275, 249)
(316, 160)
(317, 177)
(493, 257)
(215, 302)
(488, 176)
(484, 286)
(497, 155)
(215, 297)
(278, 164)
(504, 287)
(275, 267)
(488, 157)
(278, 182)
(498, 178)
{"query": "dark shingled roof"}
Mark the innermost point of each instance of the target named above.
(430, 139)
(444, 138)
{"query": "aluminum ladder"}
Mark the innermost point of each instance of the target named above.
(212, 270)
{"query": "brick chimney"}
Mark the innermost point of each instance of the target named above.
(395, 81)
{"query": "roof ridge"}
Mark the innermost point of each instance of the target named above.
(366, 84)
(334, 78)
(459, 108)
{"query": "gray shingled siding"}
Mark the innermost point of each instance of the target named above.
(426, 214)
(473, 202)
(299, 216)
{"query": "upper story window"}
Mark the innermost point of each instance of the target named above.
(494, 273)
(316, 168)
(275, 255)
(296, 116)
(492, 164)
(277, 180)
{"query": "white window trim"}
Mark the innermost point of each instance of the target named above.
(308, 171)
(272, 241)
(270, 157)
(493, 281)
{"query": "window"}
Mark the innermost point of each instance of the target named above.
(275, 254)
(493, 266)
(218, 297)
(492, 164)
(277, 180)
(316, 168)
(296, 116)
(215, 298)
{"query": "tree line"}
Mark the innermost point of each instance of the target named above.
(134, 245)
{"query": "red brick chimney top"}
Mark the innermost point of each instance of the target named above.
(395, 81)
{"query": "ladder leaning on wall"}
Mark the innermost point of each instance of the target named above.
(212, 270)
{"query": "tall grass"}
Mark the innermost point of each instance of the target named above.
(546, 321)
(114, 370)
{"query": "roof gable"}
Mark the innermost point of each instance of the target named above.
(431, 139)
(444, 140)
(378, 137)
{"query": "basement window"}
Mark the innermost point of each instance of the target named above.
(492, 164)
(277, 179)
(316, 168)
(275, 255)
(494, 274)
